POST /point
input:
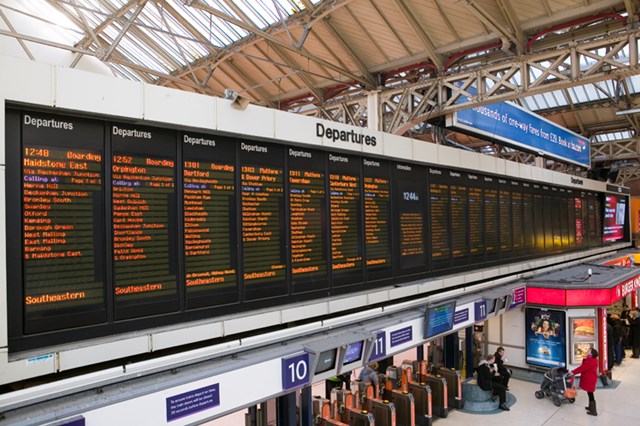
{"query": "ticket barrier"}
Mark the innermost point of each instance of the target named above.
(322, 413)
(454, 386)
(439, 394)
(384, 412)
(361, 418)
(422, 397)
(405, 406)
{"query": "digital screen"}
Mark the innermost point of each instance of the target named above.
(326, 361)
(439, 214)
(143, 196)
(459, 195)
(579, 220)
(377, 215)
(491, 235)
(545, 337)
(538, 216)
(62, 224)
(615, 215)
(548, 218)
(517, 231)
(556, 219)
(307, 198)
(353, 352)
(344, 213)
(571, 217)
(501, 303)
(528, 227)
(410, 201)
(476, 222)
(209, 220)
(439, 319)
(504, 216)
(262, 215)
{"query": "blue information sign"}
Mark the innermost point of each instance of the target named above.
(192, 402)
(295, 371)
(401, 336)
(514, 125)
(379, 349)
(480, 310)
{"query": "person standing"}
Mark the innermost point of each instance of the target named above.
(504, 372)
(489, 379)
(588, 371)
(634, 333)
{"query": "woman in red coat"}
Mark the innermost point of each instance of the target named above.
(588, 371)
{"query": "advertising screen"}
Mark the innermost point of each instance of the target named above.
(615, 213)
(439, 319)
(545, 337)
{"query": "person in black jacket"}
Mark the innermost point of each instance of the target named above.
(634, 333)
(489, 379)
(505, 373)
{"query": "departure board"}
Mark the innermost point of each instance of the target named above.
(491, 230)
(556, 218)
(209, 220)
(599, 209)
(476, 222)
(548, 218)
(538, 216)
(62, 223)
(564, 217)
(528, 226)
(345, 198)
(144, 220)
(439, 214)
(307, 201)
(262, 219)
(571, 217)
(459, 195)
(410, 201)
(517, 232)
(377, 218)
(504, 216)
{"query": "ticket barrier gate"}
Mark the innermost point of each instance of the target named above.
(405, 406)
(322, 413)
(422, 397)
(353, 408)
(454, 386)
(384, 412)
(361, 418)
(439, 397)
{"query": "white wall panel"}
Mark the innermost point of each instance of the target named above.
(501, 166)
(296, 128)
(88, 92)
(525, 171)
(397, 146)
(310, 310)
(24, 368)
(347, 303)
(96, 354)
(425, 151)
(469, 160)
(183, 336)
(253, 121)
(448, 156)
(488, 164)
(26, 81)
(371, 146)
(251, 322)
(164, 105)
(512, 169)
(536, 173)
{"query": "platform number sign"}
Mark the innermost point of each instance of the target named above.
(295, 371)
(379, 349)
(480, 309)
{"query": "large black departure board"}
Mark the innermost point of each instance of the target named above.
(262, 214)
(377, 218)
(345, 218)
(440, 216)
(411, 229)
(308, 230)
(209, 220)
(62, 222)
(123, 227)
(476, 216)
(144, 220)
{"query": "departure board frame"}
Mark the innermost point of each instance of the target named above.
(182, 157)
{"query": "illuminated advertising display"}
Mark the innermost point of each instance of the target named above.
(545, 337)
(615, 218)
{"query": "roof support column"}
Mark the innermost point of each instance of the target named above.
(373, 111)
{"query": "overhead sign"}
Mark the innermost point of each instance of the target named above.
(515, 126)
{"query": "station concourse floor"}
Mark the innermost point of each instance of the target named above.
(617, 406)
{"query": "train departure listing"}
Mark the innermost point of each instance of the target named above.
(142, 190)
(344, 199)
(376, 220)
(439, 209)
(262, 204)
(306, 197)
(61, 192)
(208, 194)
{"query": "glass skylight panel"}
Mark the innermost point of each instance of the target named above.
(613, 136)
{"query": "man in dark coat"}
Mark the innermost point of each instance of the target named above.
(504, 372)
(489, 379)
(634, 333)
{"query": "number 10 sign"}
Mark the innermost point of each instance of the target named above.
(295, 371)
